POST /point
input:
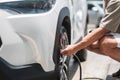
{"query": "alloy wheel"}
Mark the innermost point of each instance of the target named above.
(64, 60)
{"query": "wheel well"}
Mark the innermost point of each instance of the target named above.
(63, 20)
(67, 24)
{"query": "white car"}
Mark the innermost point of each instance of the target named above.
(32, 33)
(95, 12)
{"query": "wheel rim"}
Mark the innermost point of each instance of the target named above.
(64, 61)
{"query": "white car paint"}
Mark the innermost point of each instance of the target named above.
(30, 38)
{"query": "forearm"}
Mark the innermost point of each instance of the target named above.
(90, 38)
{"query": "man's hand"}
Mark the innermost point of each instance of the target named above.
(69, 50)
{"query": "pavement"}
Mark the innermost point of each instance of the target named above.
(97, 67)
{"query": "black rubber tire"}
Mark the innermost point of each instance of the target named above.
(63, 66)
(82, 55)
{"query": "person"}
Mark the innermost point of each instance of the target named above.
(104, 40)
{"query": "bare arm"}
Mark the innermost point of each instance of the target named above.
(86, 41)
(90, 38)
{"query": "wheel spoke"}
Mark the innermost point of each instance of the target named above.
(63, 64)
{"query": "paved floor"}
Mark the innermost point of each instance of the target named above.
(97, 67)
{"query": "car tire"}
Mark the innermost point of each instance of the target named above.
(63, 66)
(82, 55)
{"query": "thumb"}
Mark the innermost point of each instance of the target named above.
(64, 51)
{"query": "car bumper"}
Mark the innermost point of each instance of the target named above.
(26, 72)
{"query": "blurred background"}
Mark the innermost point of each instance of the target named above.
(95, 13)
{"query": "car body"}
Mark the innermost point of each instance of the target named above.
(95, 12)
(33, 32)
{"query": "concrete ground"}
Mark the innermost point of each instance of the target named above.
(97, 67)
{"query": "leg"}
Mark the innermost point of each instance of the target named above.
(95, 47)
(106, 46)
(109, 47)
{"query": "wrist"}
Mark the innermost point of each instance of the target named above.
(76, 48)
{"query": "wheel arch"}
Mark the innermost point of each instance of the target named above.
(67, 24)
(63, 20)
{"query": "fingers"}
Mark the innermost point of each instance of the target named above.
(65, 52)
(62, 52)
(69, 50)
